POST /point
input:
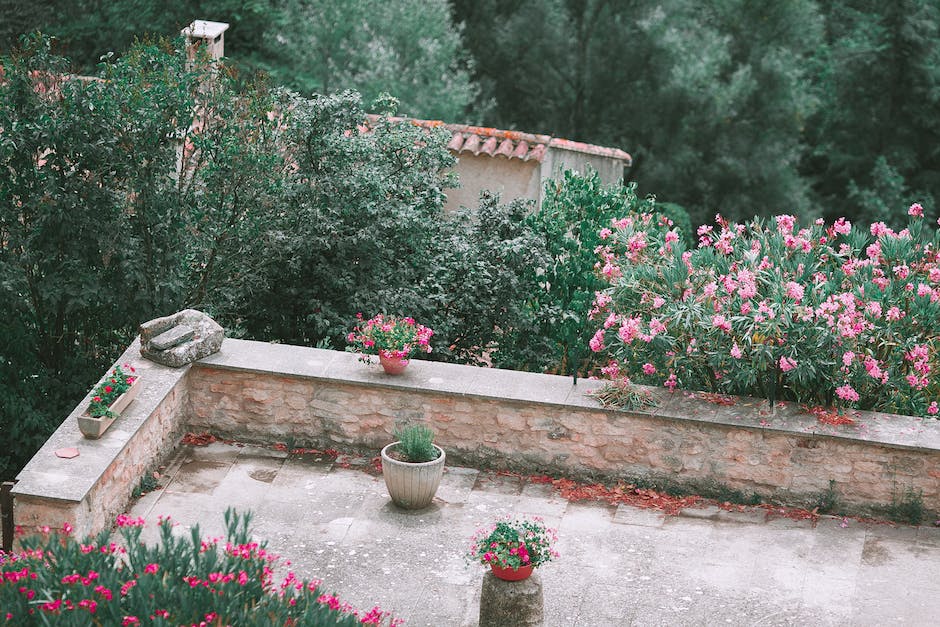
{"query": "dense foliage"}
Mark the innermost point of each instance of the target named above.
(747, 108)
(409, 48)
(162, 186)
(818, 314)
(182, 580)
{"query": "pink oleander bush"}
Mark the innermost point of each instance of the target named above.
(818, 314)
(58, 580)
(389, 336)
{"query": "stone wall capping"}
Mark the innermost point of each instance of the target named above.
(266, 393)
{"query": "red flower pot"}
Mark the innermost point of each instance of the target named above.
(511, 574)
(393, 365)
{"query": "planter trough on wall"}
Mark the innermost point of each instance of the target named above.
(93, 427)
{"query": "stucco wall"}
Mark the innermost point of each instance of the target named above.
(511, 178)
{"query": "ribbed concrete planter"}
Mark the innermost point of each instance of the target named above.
(93, 428)
(412, 486)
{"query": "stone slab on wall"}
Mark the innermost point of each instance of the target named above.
(90, 490)
(543, 423)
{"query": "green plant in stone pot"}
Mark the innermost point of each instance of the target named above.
(415, 444)
(412, 467)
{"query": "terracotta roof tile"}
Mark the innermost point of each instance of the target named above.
(471, 143)
(505, 149)
(489, 146)
(537, 153)
(511, 144)
(456, 142)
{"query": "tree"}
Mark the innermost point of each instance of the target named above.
(710, 99)
(876, 136)
(407, 48)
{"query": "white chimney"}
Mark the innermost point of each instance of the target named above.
(204, 33)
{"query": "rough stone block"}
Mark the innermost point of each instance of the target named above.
(517, 603)
(206, 340)
(177, 335)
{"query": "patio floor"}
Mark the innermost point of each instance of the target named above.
(619, 565)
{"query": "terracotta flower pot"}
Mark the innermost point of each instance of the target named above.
(412, 486)
(393, 365)
(93, 427)
(512, 574)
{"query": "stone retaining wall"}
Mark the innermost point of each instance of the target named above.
(495, 418)
(90, 490)
(542, 423)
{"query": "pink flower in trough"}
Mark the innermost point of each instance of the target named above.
(649, 368)
(787, 364)
(933, 409)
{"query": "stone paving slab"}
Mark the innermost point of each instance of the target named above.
(619, 566)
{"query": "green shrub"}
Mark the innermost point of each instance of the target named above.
(571, 220)
(908, 508)
(416, 444)
(59, 580)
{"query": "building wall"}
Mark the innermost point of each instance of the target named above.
(511, 178)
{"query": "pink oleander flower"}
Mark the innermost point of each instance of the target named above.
(735, 351)
(785, 224)
(720, 322)
(916, 210)
(847, 393)
(848, 357)
(842, 226)
(933, 409)
(597, 342)
(787, 364)
(671, 382)
(612, 369)
(794, 290)
(649, 368)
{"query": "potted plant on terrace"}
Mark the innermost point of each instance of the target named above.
(412, 467)
(512, 548)
(112, 395)
(392, 338)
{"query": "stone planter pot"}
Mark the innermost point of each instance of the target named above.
(412, 486)
(92, 428)
(393, 365)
